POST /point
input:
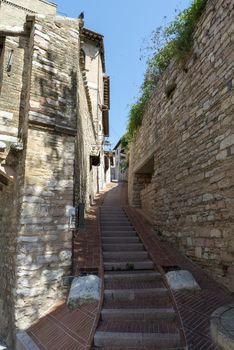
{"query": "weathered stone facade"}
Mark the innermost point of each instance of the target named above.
(48, 139)
(183, 176)
(120, 166)
(16, 10)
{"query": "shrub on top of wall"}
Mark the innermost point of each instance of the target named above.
(177, 40)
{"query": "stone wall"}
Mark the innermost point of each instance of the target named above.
(49, 117)
(7, 263)
(190, 137)
(10, 10)
(44, 238)
(86, 182)
(12, 165)
(48, 131)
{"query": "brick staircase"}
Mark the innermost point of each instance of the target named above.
(137, 311)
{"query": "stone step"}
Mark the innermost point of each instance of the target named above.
(123, 247)
(119, 239)
(123, 256)
(112, 214)
(115, 218)
(137, 314)
(115, 223)
(128, 265)
(131, 294)
(136, 340)
(133, 284)
(139, 303)
(118, 234)
(117, 228)
(139, 348)
(132, 276)
(112, 210)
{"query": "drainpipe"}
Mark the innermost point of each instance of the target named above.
(98, 74)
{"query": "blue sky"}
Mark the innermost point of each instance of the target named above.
(125, 24)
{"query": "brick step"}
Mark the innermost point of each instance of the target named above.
(119, 239)
(137, 314)
(128, 265)
(132, 276)
(137, 340)
(123, 256)
(131, 294)
(131, 284)
(118, 233)
(123, 247)
(117, 228)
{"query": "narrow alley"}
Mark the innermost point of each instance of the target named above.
(116, 175)
(137, 308)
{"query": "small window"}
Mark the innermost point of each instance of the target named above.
(2, 41)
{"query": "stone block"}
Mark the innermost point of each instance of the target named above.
(65, 255)
(45, 259)
(228, 141)
(24, 342)
(181, 279)
(83, 290)
(222, 327)
(52, 275)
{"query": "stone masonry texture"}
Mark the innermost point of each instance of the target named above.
(48, 134)
(10, 9)
(183, 176)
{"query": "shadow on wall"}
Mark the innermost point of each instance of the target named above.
(45, 246)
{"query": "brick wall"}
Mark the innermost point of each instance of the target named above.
(190, 137)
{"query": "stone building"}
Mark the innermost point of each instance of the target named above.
(183, 176)
(54, 102)
(120, 167)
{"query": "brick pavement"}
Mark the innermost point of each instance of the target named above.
(63, 329)
(195, 308)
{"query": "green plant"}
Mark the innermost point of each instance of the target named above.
(129, 267)
(175, 41)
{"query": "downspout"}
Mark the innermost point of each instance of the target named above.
(98, 71)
